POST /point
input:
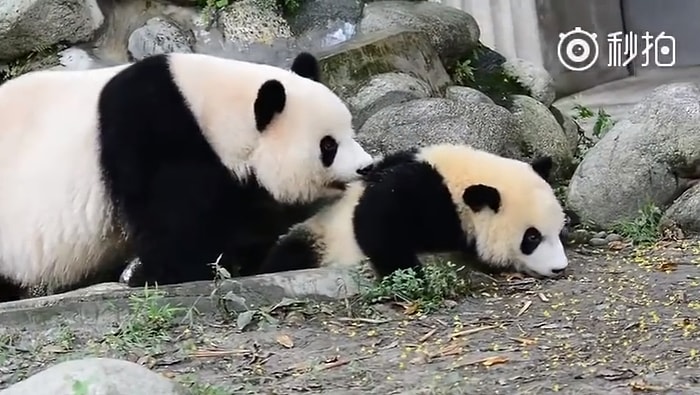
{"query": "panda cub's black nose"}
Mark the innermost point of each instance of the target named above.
(365, 170)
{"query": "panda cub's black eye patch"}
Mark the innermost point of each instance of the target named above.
(329, 148)
(531, 239)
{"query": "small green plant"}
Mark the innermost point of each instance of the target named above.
(197, 388)
(149, 321)
(40, 58)
(66, 338)
(603, 123)
(249, 313)
(289, 7)
(483, 71)
(80, 387)
(441, 280)
(213, 4)
(644, 228)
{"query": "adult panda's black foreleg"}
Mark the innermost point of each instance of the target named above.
(9, 291)
(169, 187)
(181, 225)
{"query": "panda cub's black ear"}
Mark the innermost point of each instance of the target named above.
(479, 196)
(270, 101)
(306, 65)
(543, 166)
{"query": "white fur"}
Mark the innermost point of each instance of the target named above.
(56, 221)
(333, 227)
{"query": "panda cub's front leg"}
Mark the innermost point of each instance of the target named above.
(383, 234)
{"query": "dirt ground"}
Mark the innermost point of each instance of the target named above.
(622, 321)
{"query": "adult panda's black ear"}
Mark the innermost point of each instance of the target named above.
(480, 196)
(543, 166)
(306, 65)
(270, 101)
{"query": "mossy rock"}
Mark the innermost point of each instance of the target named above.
(348, 66)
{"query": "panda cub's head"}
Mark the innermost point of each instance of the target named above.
(509, 210)
(307, 147)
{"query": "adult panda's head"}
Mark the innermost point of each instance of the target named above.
(307, 146)
(507, 207)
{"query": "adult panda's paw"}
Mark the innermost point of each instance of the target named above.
(131, 275)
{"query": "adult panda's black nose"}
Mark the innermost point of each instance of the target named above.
(365, 170)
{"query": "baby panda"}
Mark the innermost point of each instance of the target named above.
(440, 198)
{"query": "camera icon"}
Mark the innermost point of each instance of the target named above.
(664, 50)
(578, 49)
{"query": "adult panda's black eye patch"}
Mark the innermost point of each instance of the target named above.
(329, 148)
(531, 240)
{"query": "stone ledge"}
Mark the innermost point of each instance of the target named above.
(323, 284)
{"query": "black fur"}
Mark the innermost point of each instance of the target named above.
(294, 251)
(543, 166)
(270, 102)
(179, 204)
(479, 196)
(9, 290)
(306, 65)
(406, 209)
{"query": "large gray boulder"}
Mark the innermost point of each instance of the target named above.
(467, 95)
(542, 134)
(428, 121)
(535, 78)
(103, 376)
(318, 15)
(641, 159)
(453, 32)
(685, 211)
(383, 90)
(26, 25)
(158, 36)
(246, 22)
(350, 65)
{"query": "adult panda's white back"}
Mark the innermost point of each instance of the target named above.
(51, 189)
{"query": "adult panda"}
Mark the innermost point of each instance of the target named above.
(439, 198)
(173, 159)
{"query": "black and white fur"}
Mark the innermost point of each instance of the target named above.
(440, 198)
(173, 159)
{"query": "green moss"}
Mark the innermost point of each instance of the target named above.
(347, 66)
(482, 70)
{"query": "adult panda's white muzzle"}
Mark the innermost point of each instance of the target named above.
(350, 162)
